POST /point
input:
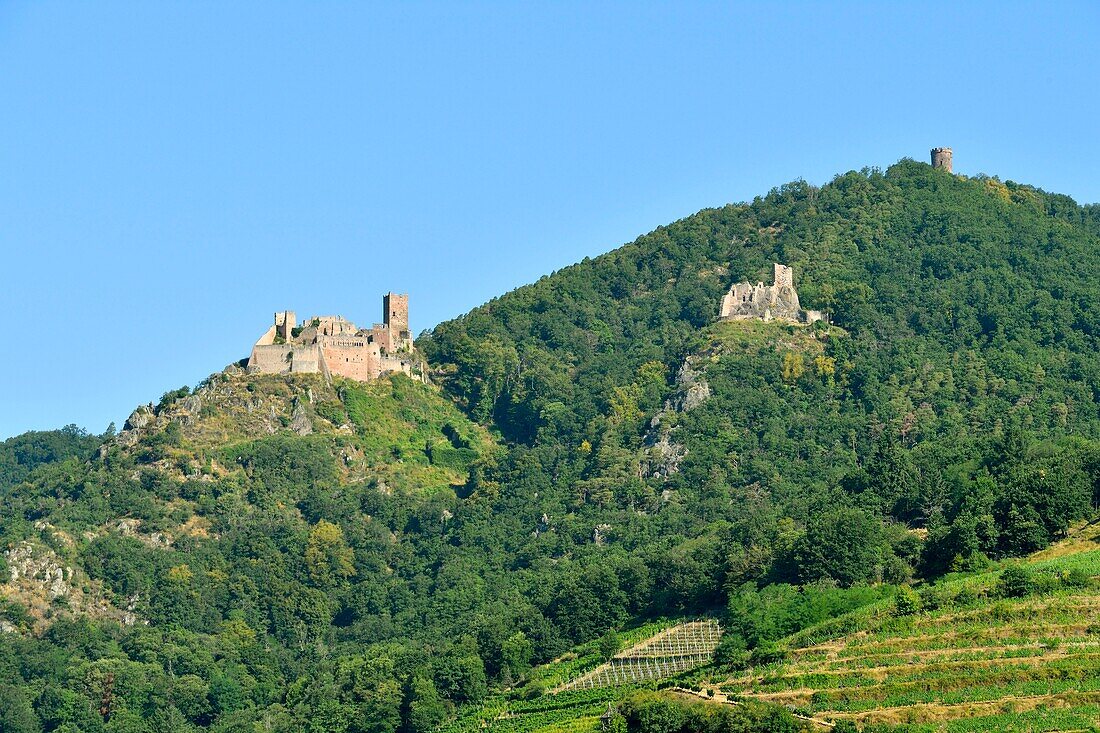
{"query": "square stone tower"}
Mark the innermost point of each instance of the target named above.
(395, 314)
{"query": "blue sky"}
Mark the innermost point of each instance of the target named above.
(171, 174)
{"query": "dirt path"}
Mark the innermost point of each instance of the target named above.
(720, 697)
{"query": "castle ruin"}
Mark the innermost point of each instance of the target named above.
(746, 301)
(941, 158)
(333, 345)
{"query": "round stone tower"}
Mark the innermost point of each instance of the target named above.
(941, 158)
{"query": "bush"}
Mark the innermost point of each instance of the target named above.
(934, 597)
(966, 596)
(731, 653)
(1015, 582)
(1076, 578)
(906, 602)
(609, 645)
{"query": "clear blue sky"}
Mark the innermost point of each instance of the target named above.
(171, 174)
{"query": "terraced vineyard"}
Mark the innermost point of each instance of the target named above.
(578, 702)
(975, 663)
(674, 650)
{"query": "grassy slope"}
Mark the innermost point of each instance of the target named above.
(395, 430)
(1014, 664)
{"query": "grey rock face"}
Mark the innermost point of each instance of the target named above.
(299, 421)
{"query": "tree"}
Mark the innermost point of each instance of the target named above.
(515, 654)
(609, 645)
(368, 686)
(16, 713)
(427, 710)
(328, 557)
(845, 545)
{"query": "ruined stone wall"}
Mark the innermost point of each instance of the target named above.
(305, 359)
(268, 337)
(746, 301)
(269, 359)
(395, 364)
(285, 323)
(285, 359)
(335, 326)
(383, 336)
(783, 276)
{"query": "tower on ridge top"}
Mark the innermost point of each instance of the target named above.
(941, 158)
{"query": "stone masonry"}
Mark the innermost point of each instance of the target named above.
(941, 158)
(746, 301)
(333, 345)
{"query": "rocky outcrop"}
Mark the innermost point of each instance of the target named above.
(692, 388)
(663, 454)
(45, 585)
(233, 403)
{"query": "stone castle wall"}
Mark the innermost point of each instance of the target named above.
(335, 345)
(783, 276)
(746, 301)
(285, 323)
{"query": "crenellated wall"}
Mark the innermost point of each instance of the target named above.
(335, 345)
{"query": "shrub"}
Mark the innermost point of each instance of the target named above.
(1015, 582)
(966, 596)
(906, 602)
(1076, 578)
(731, 652)
(935, 597)
(609, 645)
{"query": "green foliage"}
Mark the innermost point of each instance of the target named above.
(846, 546)
(762, 616)
(906, 602)
(609, 645)
(650, 712)
(1016, 582)
(20, 455)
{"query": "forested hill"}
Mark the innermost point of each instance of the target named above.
(969, 310)
(288, 553)
(996, 281)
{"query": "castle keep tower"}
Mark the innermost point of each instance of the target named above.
(941, 158)
(395, 314)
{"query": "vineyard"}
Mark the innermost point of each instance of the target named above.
(974, 663)
(582, 688)
(674, 650)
